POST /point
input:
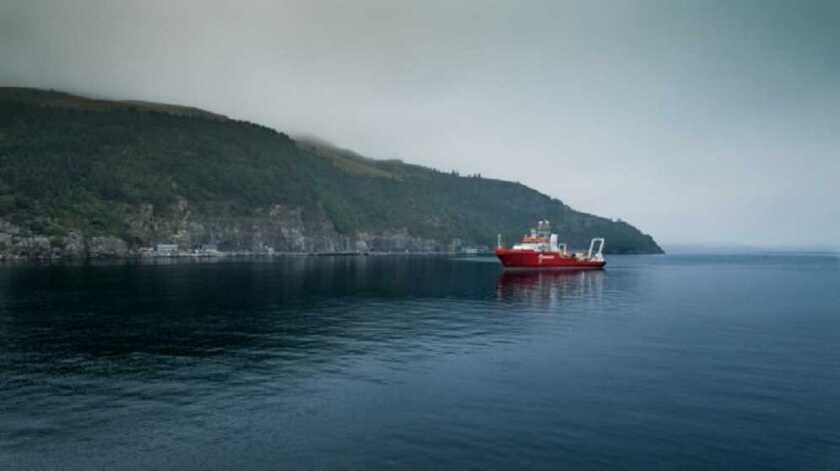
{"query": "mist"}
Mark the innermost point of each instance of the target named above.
(700, 122)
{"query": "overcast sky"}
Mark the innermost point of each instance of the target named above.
(699, 122)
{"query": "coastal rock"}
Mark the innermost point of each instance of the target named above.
(107, 247)
(399, 241)
(276, 229)
(34, 247)
(74, 245)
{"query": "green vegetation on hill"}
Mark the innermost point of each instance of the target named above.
(91, 166)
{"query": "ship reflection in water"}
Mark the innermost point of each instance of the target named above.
(550, 287)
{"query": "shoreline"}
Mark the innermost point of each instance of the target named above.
(186, 257)
(228, 256)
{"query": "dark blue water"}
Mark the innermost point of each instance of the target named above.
(660, 362)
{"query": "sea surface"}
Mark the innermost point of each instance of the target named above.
(674, 362)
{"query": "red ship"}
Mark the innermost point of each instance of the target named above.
(539, 250)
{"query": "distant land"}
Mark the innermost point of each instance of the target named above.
(744, 249)
(91, 178)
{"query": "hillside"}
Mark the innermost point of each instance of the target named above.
(86, 177)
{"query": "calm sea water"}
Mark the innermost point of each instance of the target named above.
(659, 362)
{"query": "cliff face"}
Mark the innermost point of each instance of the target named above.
(85, 178)
(278, 229)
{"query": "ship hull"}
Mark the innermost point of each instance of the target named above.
(533, 260)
